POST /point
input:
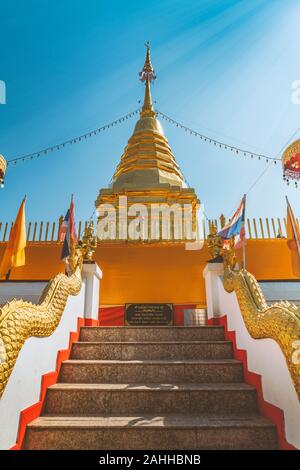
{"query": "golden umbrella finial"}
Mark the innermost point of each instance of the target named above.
(3, 166)
(146, 75)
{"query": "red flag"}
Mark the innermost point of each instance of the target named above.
(68, 231)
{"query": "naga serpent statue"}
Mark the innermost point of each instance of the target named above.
(21, 320)
(279, 321)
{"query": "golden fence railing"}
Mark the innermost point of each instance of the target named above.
(48, 232)
(260, 228)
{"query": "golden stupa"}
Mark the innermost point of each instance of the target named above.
(148, 172)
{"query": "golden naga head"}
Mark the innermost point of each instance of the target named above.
(3, 166)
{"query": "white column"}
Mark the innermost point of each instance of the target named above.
(91, 274)
(211, 274)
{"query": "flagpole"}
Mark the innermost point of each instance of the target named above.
(292, 223)
(244, 241)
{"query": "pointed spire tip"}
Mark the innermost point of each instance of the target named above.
(147, 74)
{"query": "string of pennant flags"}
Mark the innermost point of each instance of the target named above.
(218, 143)
(94, 132)
(74, 140)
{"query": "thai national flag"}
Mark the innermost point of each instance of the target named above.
(236, 227)
(67, 232)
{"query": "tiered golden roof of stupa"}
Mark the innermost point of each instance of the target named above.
(148, 172)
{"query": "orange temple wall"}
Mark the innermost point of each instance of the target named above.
(154, 273)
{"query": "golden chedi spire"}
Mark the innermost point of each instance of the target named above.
(147, 174)
(148, 160)
(147, 75)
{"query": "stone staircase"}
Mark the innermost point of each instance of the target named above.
(151, 388)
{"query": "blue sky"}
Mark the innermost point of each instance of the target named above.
(223, 67)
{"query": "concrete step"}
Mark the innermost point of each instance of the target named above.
(152, 350)
(151, 432)
(151, 388)
(133, 399)
(97, 371)
(164, 333)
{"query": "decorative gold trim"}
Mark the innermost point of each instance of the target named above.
(290, 151)
(3, 166)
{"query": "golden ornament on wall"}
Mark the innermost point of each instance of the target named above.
(3, 166)
(291, 162)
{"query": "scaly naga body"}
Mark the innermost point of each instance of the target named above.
(21, 320)
(279, 321)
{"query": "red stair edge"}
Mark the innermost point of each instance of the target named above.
(272, 412)
(34, 411)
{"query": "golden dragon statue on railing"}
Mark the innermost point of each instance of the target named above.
(279, 321)
(20, 320)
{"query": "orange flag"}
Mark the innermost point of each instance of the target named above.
(14, 254)
(293, 239)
